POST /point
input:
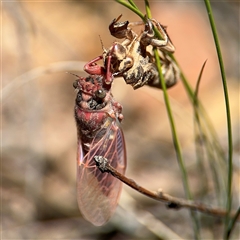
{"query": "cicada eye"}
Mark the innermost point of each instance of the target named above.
(75, 84)
(100, 93)
(79, 97)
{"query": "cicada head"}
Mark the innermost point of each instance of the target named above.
(92, 93)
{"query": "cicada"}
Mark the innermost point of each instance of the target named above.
(98, 118)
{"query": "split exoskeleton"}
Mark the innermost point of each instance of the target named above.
(133, 58)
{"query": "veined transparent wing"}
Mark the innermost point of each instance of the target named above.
(98, 192)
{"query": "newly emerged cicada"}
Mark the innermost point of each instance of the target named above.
(98, 118)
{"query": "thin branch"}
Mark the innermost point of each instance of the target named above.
(172, 202)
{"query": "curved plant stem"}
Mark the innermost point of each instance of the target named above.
(173, 129)
(170, 115)
(177, 144)
(133, 4)
(228, 115)
(132, 7)
(174, 132)
(148, 11)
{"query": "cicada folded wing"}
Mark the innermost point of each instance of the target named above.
(98, 192)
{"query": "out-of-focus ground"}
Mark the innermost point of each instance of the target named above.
(38, 127)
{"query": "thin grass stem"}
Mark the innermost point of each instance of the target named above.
(148, 11)
(177, 145)
(133, 4)
(132, 7)
(228, 115)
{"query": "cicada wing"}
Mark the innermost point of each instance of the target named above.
(98, 192)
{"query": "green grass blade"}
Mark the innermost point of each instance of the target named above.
(131, 5)
(199, 134)
(177, 145)
(228, 115)
(148, 11)
(206, 148)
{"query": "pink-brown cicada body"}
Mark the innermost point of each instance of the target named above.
(98, 118)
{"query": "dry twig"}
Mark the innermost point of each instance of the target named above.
(172, 202)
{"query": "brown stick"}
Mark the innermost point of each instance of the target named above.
(172, 202)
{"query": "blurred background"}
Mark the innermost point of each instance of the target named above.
(41, 41)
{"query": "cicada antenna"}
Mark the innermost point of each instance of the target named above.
(75, 83)
(73, 74)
